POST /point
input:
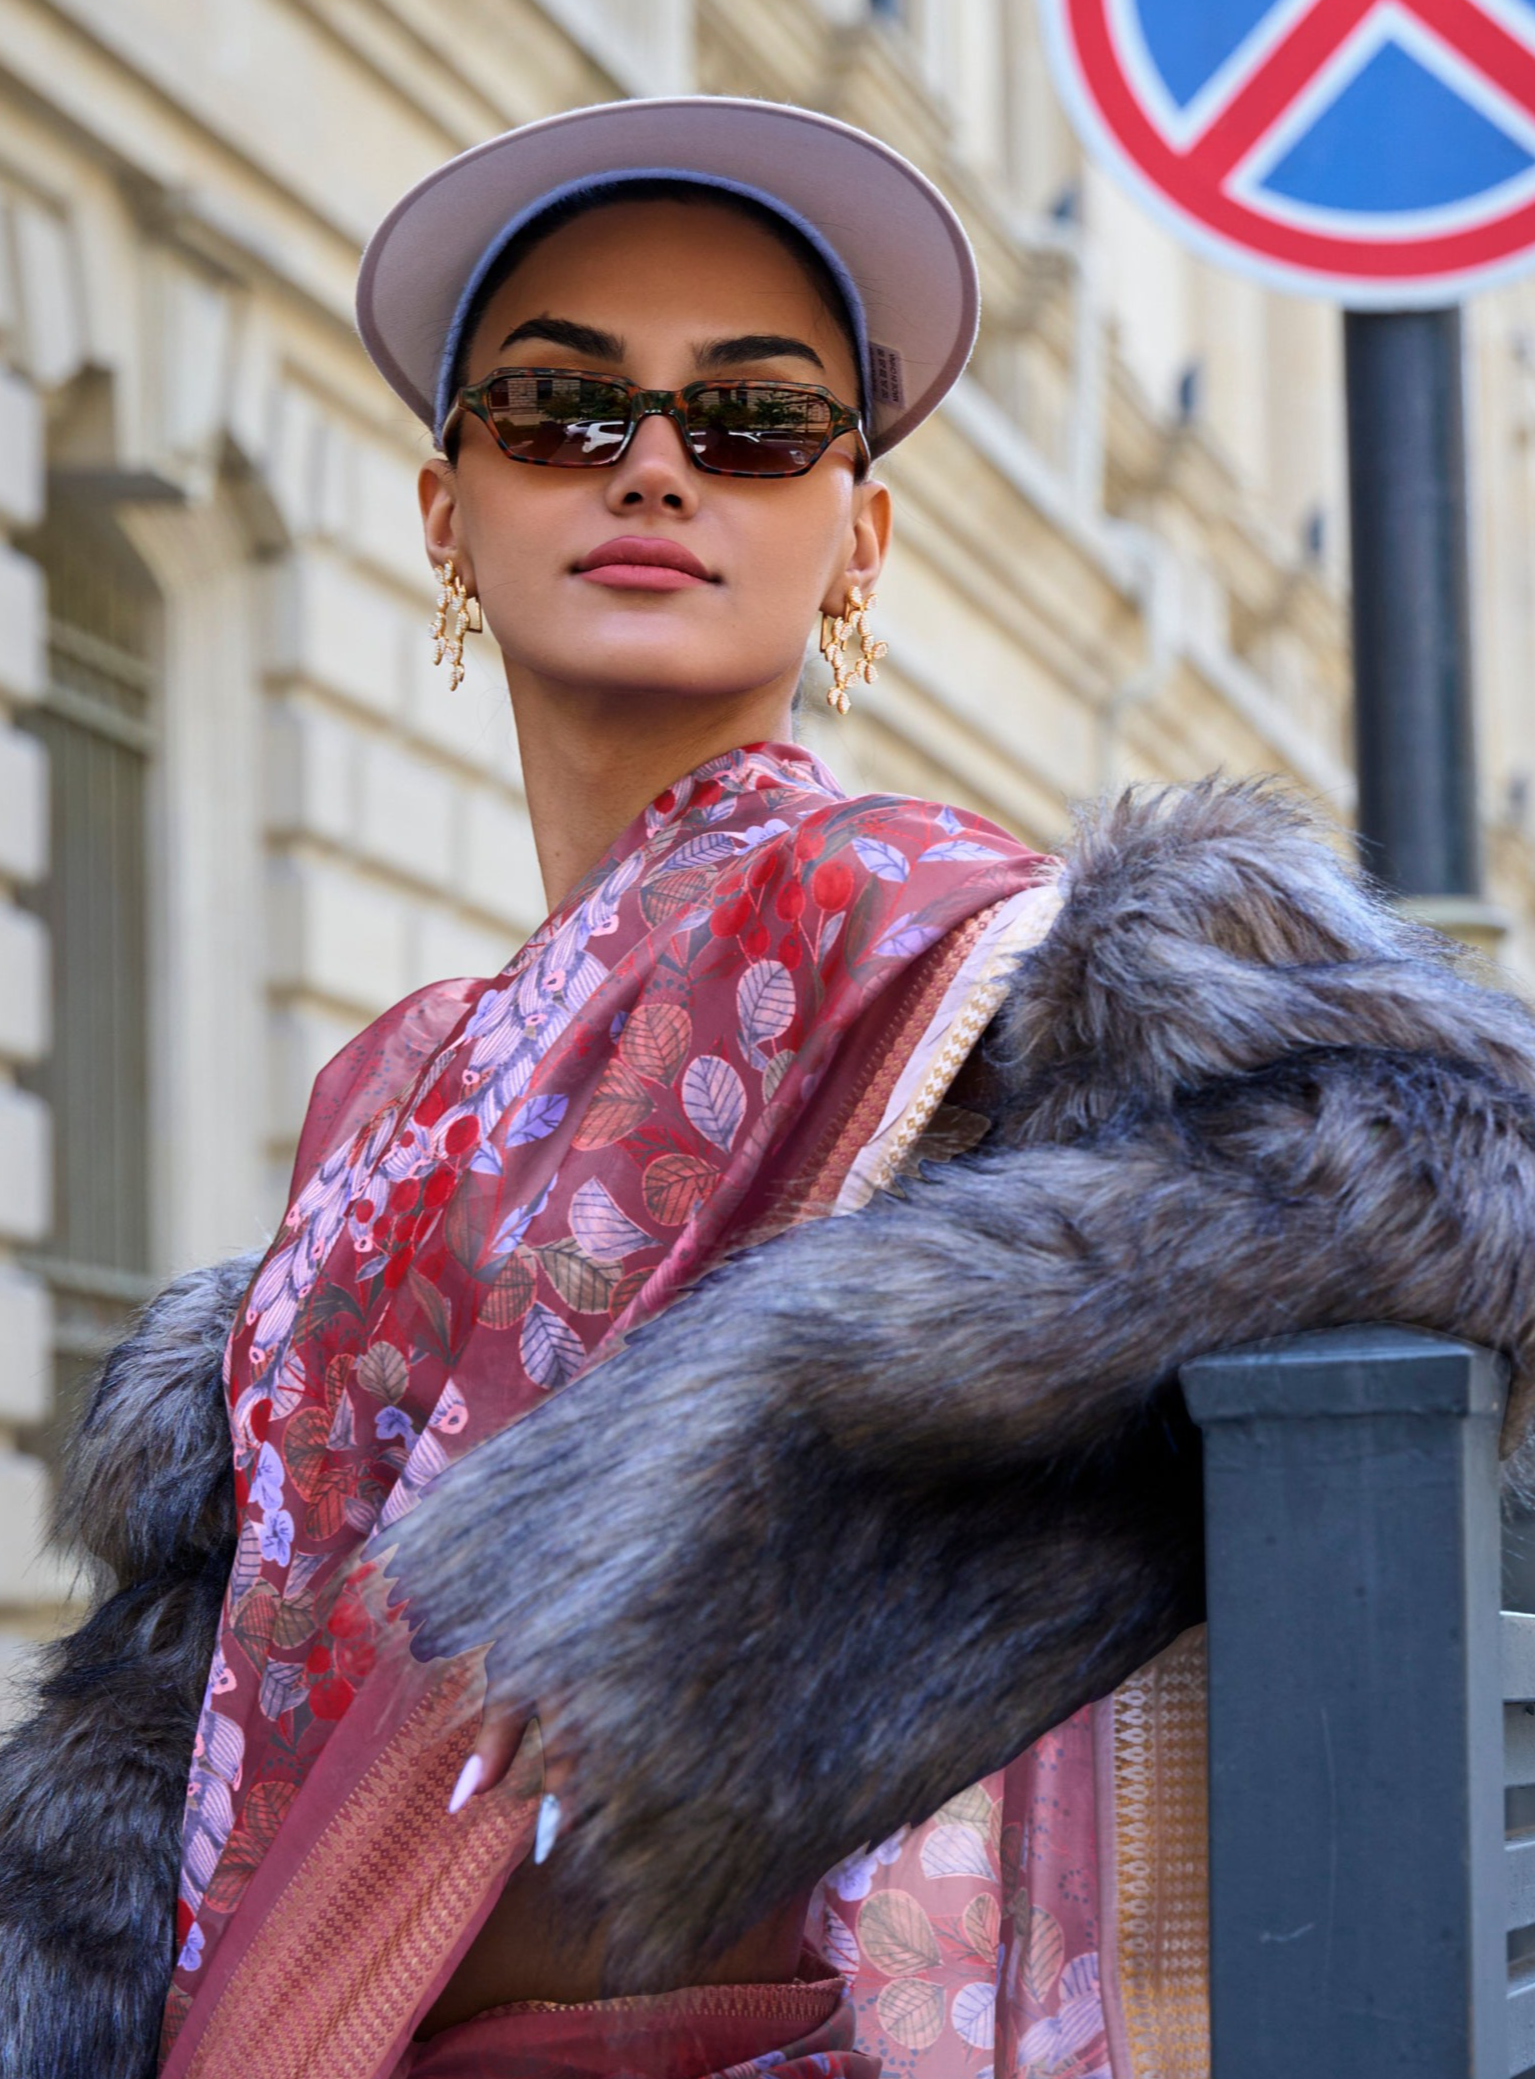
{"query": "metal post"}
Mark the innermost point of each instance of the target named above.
(1356, 1817)
(1411, 613)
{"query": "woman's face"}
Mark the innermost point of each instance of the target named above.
(663, 293)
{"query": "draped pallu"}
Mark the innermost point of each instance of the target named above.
(747, 1014)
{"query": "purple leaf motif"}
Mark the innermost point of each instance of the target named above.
(281, 1687)
(881, 859)
(427, 1459)
(974, 2013)
(714, 1099)
(600, 1227)
(535, 1120)
(956, 848)
(709, 848)
(343, 1430)
(552, 1352)
(764, 1001)
(510, 1232)
(907, 937)
(247, 1565)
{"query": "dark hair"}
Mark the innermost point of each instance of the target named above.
(573, 207)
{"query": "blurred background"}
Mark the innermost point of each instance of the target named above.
(240, 813)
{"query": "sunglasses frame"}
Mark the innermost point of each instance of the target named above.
(647, 404)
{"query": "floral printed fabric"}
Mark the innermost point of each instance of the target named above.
(971, 1943)
(500, 1176)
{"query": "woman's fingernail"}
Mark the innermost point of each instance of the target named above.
(548, 1827)
(468, 1783)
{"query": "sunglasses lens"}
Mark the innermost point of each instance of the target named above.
(757, 429)
(565, 421)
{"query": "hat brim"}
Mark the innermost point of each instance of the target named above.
(897, 238)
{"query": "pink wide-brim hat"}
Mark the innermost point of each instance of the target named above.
(894, 245)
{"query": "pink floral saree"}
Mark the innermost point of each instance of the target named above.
(747, 1014)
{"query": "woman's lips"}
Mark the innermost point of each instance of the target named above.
(642, 563)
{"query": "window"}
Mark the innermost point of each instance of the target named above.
(97, 723)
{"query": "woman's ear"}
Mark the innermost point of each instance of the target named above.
(437, 491)
(872, 516)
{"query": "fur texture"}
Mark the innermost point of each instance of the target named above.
(93, 1780)
(882, 1499)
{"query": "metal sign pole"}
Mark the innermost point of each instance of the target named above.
(1411, 612)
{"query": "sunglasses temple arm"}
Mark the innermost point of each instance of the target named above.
(451, 423)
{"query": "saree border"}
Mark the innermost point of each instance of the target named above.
(305, 1994)
(341, 2010)
(1150, 1764)
(975, 989)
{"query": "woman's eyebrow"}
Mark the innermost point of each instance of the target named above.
(755, 346)
(567, 332)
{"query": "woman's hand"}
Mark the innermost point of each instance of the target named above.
(501, 1734)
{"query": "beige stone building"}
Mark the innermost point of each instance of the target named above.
(239, 811)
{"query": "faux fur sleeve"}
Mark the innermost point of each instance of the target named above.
(93, 1778)
(879, 1502)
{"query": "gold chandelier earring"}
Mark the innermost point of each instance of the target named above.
(837, 630)
(457, 615)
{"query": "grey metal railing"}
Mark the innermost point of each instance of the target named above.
(1519, 1849)
(1361, 1889)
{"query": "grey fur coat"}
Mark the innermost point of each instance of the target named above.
(1231, 1095)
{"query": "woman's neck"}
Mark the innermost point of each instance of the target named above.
(592, 761)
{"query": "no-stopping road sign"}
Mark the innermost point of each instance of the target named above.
(1381, 152)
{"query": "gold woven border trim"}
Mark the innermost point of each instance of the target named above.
(372, 1913)
(986, 998)
(1161, 1863)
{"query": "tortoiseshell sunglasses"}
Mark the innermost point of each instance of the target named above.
(561, 418)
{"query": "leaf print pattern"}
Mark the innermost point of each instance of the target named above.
(974, 2013)
(619, 1104)
(882, 858)
(714, 1098)
(584, 1282)
(954, 1967)
(955, 848)
(896, 1935)
(382, 1370)
(911, 2012)
(655, 1040)
(498, 1178)
(1045, 1953)
(673, 1186)
(552, 1352)
(765, 1002)
(956, 1851)
(907, 937)
(533, 1120)
(601, 1229)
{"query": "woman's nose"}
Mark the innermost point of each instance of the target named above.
(655, 470)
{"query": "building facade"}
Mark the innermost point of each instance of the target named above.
(240, 813)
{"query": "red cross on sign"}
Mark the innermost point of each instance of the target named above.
(1379, 151)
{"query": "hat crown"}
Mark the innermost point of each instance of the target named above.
(895, 244)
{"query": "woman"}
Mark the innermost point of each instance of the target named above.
(660, 345)
(730, 947)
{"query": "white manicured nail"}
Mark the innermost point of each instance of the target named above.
(548, 1827)
(468, 1783)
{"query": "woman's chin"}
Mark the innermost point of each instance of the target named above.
(652, 671)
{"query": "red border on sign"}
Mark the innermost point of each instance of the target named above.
(1191, 180)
